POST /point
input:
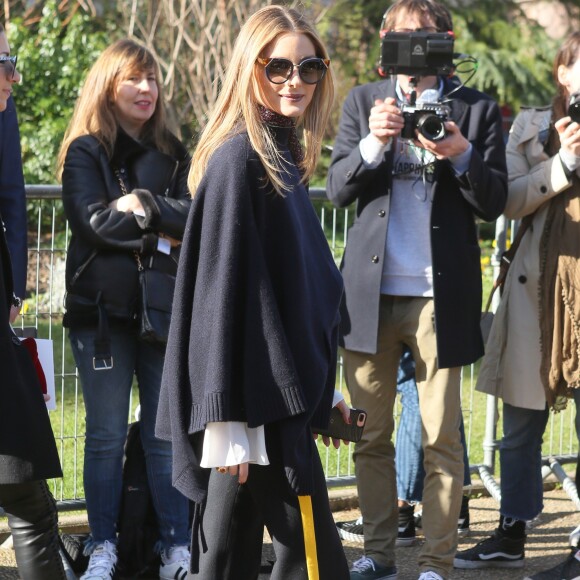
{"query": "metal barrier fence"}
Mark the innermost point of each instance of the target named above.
(43, 310)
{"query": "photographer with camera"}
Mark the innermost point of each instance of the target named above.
(532, 359)
(412, 269)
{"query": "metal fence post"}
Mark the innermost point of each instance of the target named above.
(490, 444)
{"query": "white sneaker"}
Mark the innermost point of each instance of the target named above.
(430, 575)
(102, 562)
(174, 563)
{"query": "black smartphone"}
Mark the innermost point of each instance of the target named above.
(338, 429)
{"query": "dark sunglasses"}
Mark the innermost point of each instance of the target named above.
(280, 70)
(9, 65)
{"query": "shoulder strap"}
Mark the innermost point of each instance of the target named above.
(508, 256)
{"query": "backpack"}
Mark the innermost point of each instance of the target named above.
(137, 526)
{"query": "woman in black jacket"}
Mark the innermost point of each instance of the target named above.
(28, 453)
(124, 187)
(251, 358)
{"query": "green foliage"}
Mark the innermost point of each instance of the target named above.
(350, 31)
(53, 57)
(515, 54)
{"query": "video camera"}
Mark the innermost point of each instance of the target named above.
(419, 54)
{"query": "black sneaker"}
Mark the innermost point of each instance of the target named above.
(463, 521)
(366, 568)
(406, 532)
(569, 569)
(351, 531)
(498, 551)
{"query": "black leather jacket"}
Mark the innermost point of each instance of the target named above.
(101, 264)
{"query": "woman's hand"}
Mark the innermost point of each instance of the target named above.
(172, 241)
(569, 135)
(240, 470)
(128, 204)
(345, 412)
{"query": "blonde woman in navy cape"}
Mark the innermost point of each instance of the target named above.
(251, 359)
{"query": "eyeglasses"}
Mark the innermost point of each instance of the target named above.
(428, 29)
(280, 70)
(8, 63)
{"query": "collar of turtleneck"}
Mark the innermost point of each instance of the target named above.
(273, 119)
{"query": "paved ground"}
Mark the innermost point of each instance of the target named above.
(546, 546)
(546, 543)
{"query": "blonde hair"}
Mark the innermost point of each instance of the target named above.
(236, 108)
(93, 113)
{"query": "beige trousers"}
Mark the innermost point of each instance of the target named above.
(371, 381)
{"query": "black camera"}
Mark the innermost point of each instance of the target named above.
(417, 53)
(427, 118)
(574, 107)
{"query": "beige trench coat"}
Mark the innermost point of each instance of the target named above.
(511, 366)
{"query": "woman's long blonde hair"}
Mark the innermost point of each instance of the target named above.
(236, 108)
(94, 114)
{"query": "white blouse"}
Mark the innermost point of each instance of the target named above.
(233, 442)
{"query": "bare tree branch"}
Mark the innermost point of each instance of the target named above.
(192, 40)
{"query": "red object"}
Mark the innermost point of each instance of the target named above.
(30, 345)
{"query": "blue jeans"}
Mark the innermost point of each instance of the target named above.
(520, 459)
(106, 394)
(408, 448)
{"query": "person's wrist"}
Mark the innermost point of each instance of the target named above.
(382, 141)
(570, 162)
(16, 301)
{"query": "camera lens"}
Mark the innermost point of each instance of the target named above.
(574, 108)
(431, 127)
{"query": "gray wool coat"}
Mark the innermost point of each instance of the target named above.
(457, 201)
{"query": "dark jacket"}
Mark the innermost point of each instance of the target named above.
(457, 201)
(12, 196)
(255, 319)
(101, 264)
(27, 448)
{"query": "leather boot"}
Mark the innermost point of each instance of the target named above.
(33, 521)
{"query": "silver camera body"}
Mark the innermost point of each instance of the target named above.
(427, 118)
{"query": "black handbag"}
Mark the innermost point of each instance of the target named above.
(156, 289)
(156, 298)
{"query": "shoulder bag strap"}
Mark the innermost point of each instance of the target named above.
(508, 256)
